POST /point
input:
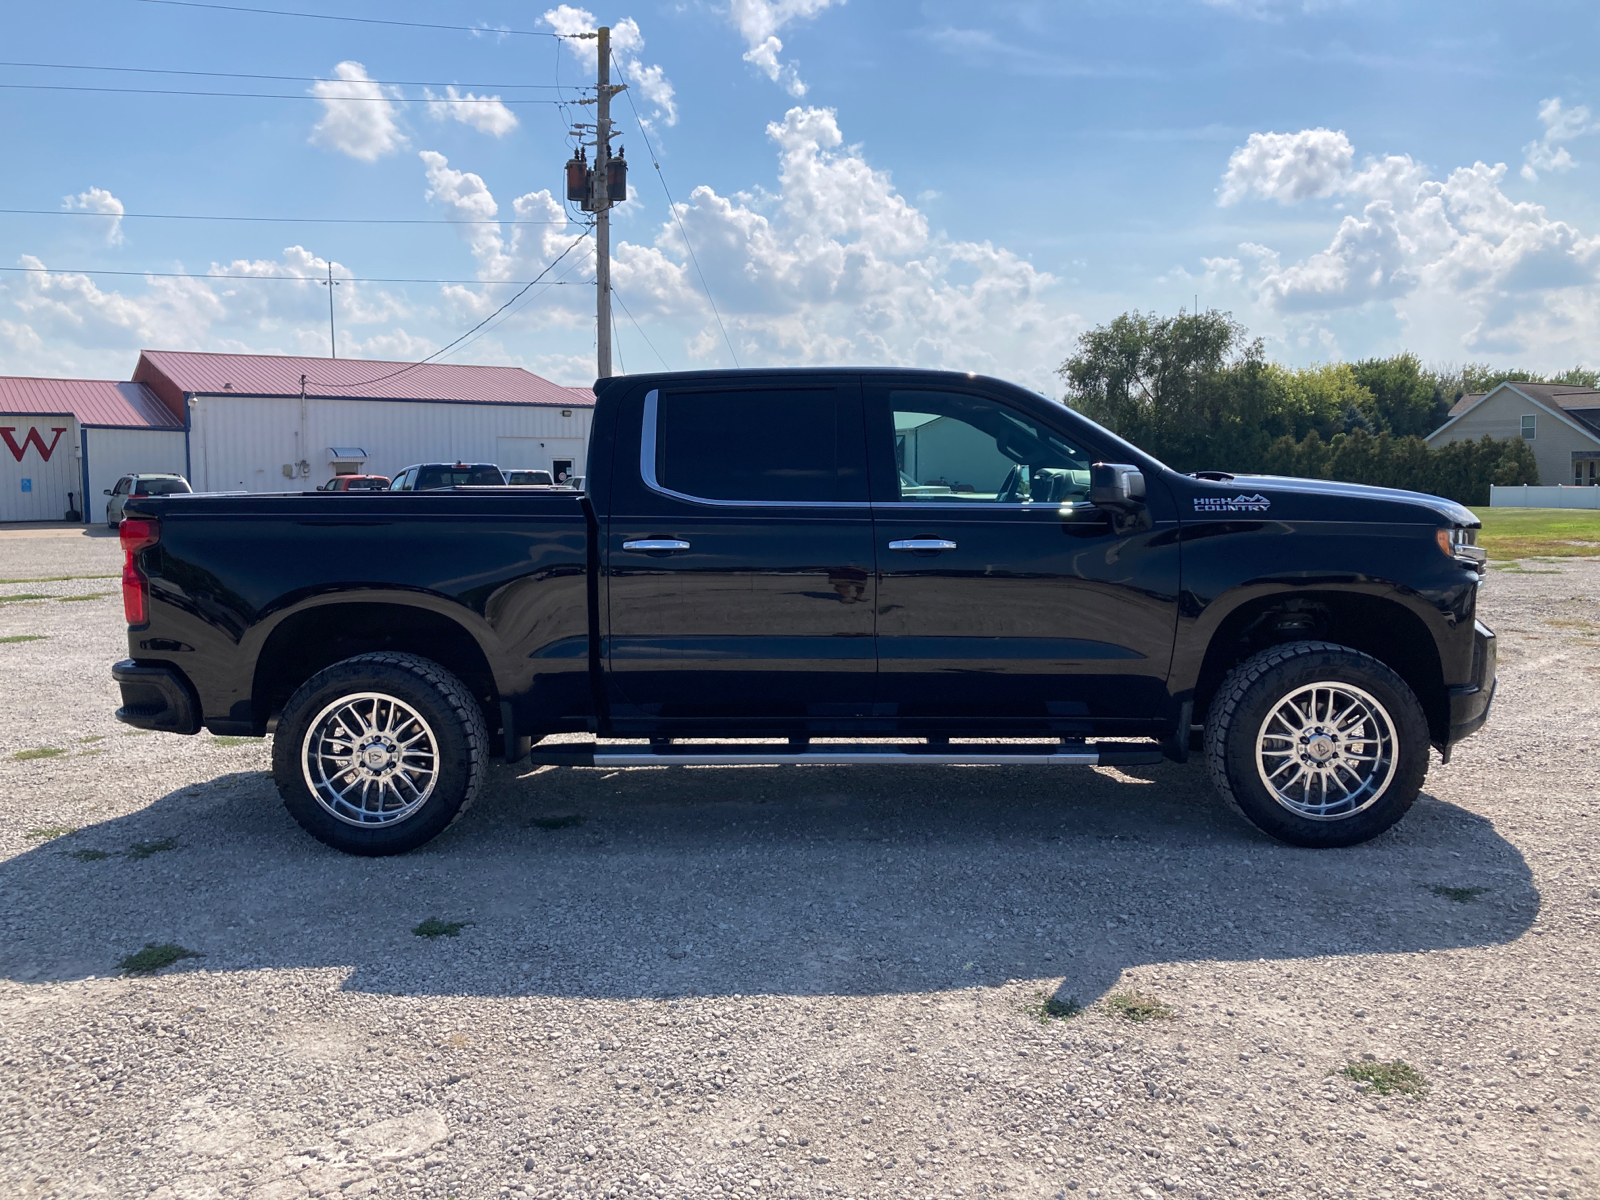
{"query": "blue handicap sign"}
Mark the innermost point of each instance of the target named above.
(27, 485)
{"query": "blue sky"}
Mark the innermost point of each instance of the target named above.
(936, 184)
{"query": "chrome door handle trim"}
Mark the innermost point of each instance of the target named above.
(922, 544)
(645, 545)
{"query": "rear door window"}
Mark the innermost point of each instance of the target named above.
(781, 445)
(161, 487)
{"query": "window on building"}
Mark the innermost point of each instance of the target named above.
(1530, 426)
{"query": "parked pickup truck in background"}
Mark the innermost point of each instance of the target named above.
(815, 557)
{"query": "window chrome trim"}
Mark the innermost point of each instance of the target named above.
(647, 472)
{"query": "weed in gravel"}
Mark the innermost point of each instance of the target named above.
(226, 741)
(41, 752)
(89, 596)
(142, 850)
(97, 737)
(1135, 1006)
(88, 855)
(1461, 895)
(153, 957)
(58, 578)
(137, 732)
(565, 821)
(24, 596)
(435, 928)
(50, 832)
(13, 639)
(1048, 1008)
(1385, 1077)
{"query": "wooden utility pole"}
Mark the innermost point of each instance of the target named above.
(602, 207)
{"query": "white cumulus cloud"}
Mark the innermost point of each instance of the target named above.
(758, 22)
(486, 114)
(1560, 125)
(627, 43)
(98, 200)
(358, 118)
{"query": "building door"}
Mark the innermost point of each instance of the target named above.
(1005, 599)
(739, 558)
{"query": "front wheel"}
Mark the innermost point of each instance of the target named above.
(378, 754)
(1317, 744)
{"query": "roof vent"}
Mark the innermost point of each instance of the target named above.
(227, 387)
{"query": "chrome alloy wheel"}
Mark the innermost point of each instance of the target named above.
(369, 759)
(1327, 751)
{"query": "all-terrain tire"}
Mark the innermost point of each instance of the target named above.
(460, 750)
(1257, 687)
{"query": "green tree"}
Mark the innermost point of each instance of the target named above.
(1408, 400)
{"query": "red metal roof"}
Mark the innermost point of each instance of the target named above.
(92, 401)
(173, 372)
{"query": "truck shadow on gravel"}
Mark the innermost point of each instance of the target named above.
(809, 881)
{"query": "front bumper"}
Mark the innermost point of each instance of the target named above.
(1469, 703)
(155, 697)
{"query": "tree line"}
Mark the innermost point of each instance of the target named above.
(1198, 392)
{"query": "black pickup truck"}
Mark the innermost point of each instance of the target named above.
(819, 567)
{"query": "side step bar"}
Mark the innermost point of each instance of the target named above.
(1079, 754)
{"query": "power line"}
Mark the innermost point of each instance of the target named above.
(276, 12)
(72, 87)
(639, 327)
(470, 332)
(279, 78)
(74, 212)
(672, 205)
(273, 278)
(511, 310)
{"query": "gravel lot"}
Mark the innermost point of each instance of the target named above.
(789, 982)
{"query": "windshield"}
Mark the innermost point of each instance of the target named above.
(480, 475)
(160, 487)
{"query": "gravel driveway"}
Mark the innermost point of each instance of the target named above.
(790, 981)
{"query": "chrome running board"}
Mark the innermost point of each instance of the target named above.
(942, 754)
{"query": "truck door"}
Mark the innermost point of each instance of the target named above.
(739, 558)
(1005, 600)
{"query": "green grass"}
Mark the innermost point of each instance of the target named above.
(24, 596)
(153, 957)
(1048, 1008)
(90, 596)
(57, 579)
(1510, 533)
(1135, 1006)
(1386, 1077)
(49, 832)
(435, 928)
(95, 737)
(1461, 895)
(143, 850)
(88, 855)
(226, 741)
(12, 639)
(41, 752)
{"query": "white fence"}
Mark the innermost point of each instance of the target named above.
(1525, 496)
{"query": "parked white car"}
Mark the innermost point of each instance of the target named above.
(141, 485)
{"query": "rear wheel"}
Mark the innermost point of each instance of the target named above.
(1317, 744)
(379, 753)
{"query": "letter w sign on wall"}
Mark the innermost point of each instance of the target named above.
(33, 438)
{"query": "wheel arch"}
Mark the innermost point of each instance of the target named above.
(1381, 625)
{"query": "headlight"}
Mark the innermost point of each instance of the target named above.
(1462, 545)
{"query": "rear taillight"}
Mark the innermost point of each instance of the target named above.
(137, 534)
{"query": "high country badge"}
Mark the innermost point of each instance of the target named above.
(1235, 504)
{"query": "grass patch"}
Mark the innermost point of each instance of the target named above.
(227, 740)
(1386, 1077)
(435, 928)
(1053, 1008)
(143, 850)
(566, 821)
(50, 832)
(1136, 1006)
(12, 639)
(1512, 568)
(90, 596)
(57, 579)
(153, 957)
(24, 596)
(137, 732)
(88, 855)
(94, 737)
(1466, 895)
(1510, 533)
(40, 752)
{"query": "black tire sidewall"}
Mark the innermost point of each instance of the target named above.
(1267, 689)
(456, 768)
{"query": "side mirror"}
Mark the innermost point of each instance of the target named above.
(107, 491)
(1116, 485)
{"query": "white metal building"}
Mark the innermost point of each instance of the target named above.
(267, 423)
(62, 440)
